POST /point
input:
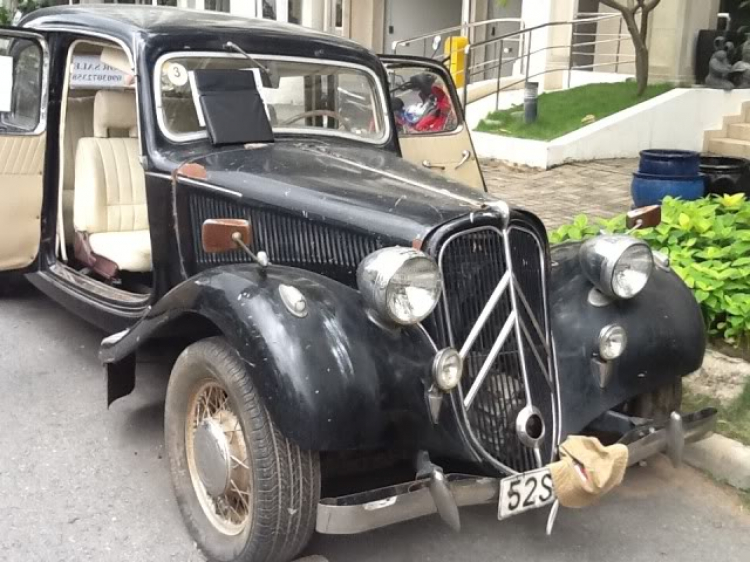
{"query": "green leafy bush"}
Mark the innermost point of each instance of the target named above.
(708, 244)
(5, 18)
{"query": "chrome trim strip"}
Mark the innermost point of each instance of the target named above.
(160, 175)
(199, 135)
(539, 360)
(551, 357)
(519, 336)
(488, 309)
(487, 365)
(534, 322)
(197, 183)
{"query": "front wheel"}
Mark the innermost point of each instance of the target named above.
(245, 491)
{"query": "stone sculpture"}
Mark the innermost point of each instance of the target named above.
(741, 69)
(720, 67)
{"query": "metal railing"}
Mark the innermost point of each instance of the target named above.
(589, 47)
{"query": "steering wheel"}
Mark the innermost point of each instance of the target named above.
(319, 113)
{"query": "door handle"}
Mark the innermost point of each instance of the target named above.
(465, 157)
(430, 165)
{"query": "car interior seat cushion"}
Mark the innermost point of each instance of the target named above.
(110, 186)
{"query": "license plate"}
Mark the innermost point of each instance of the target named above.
(526, 491)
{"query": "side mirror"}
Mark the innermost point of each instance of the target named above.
(225, 235)
(643, 217)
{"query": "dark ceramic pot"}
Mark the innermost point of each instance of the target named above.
(725, 175)
(669, 162)
(648, 189)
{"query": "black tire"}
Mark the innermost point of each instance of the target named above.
(659, 404)
(285, 481)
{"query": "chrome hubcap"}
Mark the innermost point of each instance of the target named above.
(218, 459)
(212, 457)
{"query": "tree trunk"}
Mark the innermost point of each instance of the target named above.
(641, 52)
(639, 36)
(641, 69)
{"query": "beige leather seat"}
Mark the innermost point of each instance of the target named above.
(79, 124)
(110, 186)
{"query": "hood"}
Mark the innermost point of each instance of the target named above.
(367, 189)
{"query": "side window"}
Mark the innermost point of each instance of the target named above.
(422, 102)
(21, 70)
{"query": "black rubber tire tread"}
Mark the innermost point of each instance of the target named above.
(659, 404)
(286, 480)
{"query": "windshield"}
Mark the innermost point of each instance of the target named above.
(301, 96)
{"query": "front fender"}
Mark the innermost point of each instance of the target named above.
(332, 380)
(665, 330)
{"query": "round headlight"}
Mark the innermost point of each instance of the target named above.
(618, 265)
(612, 342)
(447, 369)
(402, 285)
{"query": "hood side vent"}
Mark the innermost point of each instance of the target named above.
(288, 240)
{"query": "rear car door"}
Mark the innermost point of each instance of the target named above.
(24, 78)
(430, 120)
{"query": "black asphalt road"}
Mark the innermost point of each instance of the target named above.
(79, 482)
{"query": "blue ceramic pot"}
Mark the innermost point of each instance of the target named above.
(670, 162)
(648, 189)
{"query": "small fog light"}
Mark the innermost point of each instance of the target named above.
(447, 369)
(612, 342)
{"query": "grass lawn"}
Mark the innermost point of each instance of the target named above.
(734, 419)
(561, 112)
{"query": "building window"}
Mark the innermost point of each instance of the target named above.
(295, 11)
(217, 5)
(269, 9)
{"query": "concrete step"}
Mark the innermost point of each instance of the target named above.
(739, 131)
(730, 147)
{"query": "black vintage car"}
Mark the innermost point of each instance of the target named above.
(310, 221)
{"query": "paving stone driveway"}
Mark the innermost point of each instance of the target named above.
(599, 189)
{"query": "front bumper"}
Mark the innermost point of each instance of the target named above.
(670, 436)
(373, 509)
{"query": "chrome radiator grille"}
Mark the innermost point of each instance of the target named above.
(494, 312)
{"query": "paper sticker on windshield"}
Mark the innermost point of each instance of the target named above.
(177, 74)
(6, 84)
(89, 72)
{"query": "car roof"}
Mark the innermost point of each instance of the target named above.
(127, 22)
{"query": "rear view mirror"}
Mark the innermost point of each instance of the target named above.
(224, 235)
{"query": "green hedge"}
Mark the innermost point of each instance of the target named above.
(708, 244)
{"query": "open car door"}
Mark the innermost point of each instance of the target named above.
(24, 79)
(430, 120)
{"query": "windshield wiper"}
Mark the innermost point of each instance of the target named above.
(230, 46)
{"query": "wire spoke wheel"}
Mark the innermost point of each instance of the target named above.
(245, 491)
(218, 459)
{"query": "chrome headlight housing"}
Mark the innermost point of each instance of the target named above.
(402, 285)
(618, 265)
